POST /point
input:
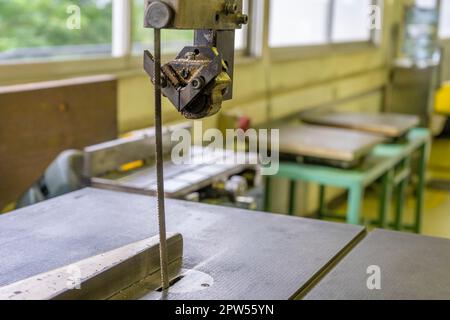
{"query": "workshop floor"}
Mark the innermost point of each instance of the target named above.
(436, 220)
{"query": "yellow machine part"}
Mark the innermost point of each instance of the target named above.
(10, 207)
(442, 104)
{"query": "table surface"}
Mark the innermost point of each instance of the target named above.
(382, 158)
(326, 143)
(387, 124)
(412, 267)
(249, 255)
(202, 169)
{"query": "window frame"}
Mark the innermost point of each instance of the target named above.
(308, 51)
(122, 61)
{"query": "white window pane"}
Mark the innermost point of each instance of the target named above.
(298, 22)
(351, 20)
(48, 29)
(426, 4)
(240, 39)
(241, 34)
(444, 28)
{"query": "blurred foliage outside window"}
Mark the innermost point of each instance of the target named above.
(38, 29)
(173, 40)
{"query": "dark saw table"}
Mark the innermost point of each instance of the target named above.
(409, 267)
(248, 255)
(237, 254)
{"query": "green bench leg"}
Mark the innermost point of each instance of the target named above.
(267, 204)
(400, 204)
(401, 197)
(292, 197)
(355, 200)
(421, 188)
(385, 200)
(322, 201)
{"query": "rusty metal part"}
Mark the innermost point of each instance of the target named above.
(223, 41)
(158, 15)
(196, 82)
(196, 15)
(200, 78)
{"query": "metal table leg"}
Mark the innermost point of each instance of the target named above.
(292, 196)
(267, 204)
(322, 201)
(401, 196)
(355, 199)
(421, 188)
(385, 199)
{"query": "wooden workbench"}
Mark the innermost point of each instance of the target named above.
(385, 124)
(381, 164)
(326, 143)
(38, 121)
(249, 255)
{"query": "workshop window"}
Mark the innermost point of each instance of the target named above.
(298, 22)
(241, 34)
(444, 28)
(351, 21)
(319, 22)
(49, 29)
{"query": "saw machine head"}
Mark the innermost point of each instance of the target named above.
(200, 78)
